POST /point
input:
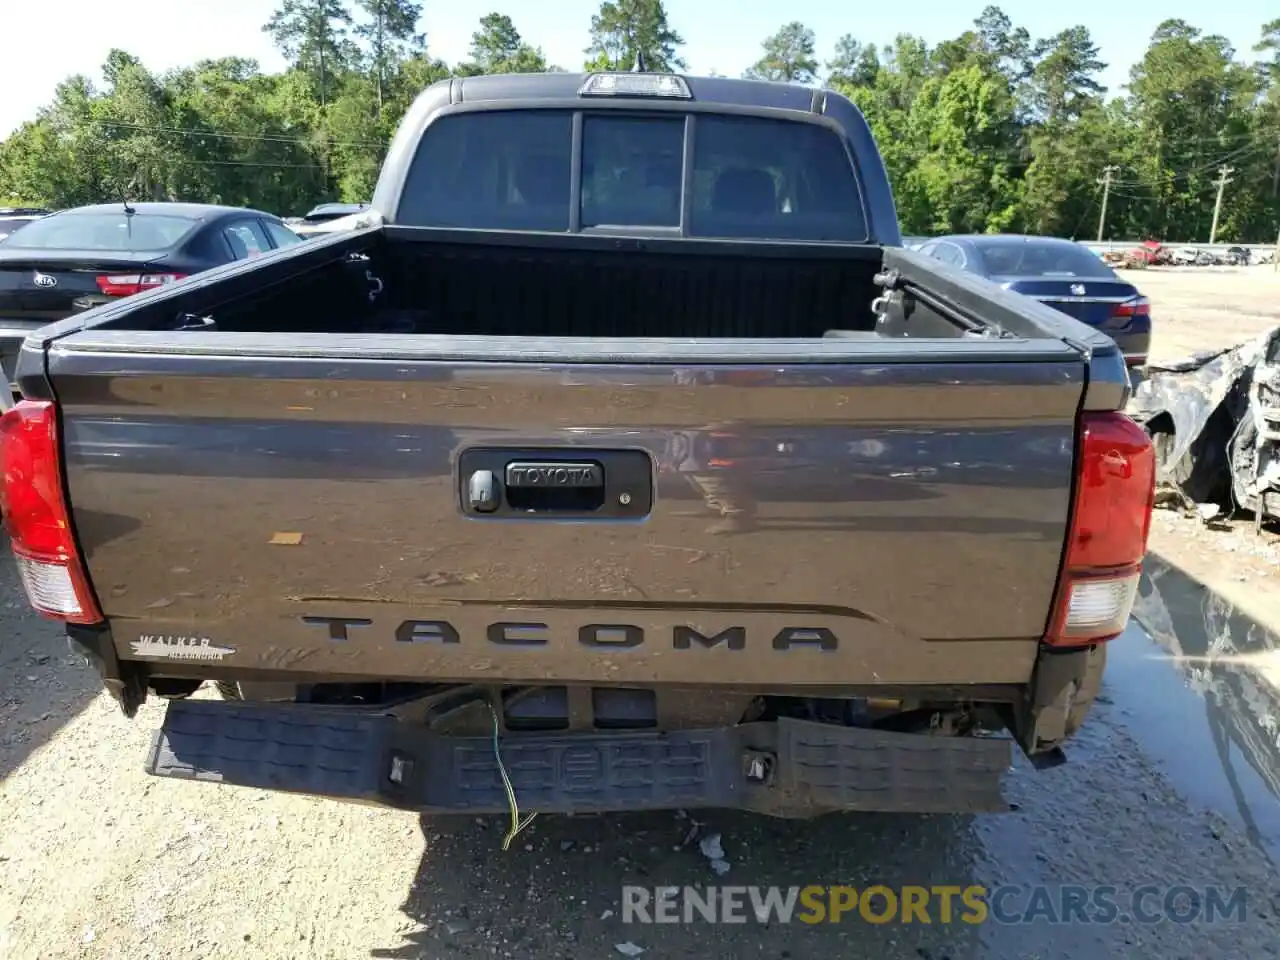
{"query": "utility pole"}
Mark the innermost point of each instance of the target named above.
(1224, 177)
(1106, 193)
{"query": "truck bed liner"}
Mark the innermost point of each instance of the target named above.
(434, 286)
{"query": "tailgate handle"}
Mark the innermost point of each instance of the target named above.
(554, 485)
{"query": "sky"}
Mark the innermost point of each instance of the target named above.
(51, 39)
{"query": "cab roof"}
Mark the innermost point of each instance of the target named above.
(708, 90)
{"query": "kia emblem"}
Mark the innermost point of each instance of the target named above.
(44, 280)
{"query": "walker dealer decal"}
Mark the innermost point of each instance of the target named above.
(178, 648)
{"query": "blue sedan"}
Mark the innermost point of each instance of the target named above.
(1060, 274)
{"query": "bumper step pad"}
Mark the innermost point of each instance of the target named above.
(785, 768)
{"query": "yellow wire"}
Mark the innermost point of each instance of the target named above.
(517, 824)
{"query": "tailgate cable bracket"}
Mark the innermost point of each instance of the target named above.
(189, 321)
(909, 293)
(376, 285)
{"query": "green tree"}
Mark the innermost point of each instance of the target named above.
(1064, 79)
(788, 56)
(966, 175)
(355, 138)
(903, 67)
(497, 47)
(1267, 119)
(143, 151)
(238, 150)
(1008, 48)
(57, 159)
(624, 28)
(854, 63)
(1190, 102)
(390, 30)
(1269, 47)
(1072, 135)
(311, 33)
(497, 41)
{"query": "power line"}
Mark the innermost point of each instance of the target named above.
(249, 163)
(260, 138)
(1198, 192)
(1021, 157)
(1087, 210)
(1175, 177)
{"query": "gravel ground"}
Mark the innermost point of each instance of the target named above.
(1200, 308)
(101, 861)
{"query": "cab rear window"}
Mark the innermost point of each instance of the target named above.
(751, 177)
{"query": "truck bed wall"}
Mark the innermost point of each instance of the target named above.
(467, 289)
(501, 290)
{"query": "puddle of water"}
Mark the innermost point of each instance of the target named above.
(1195, 682)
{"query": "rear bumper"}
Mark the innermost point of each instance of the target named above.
(786, 768)
(1134, 346)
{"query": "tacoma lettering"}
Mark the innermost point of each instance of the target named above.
(597, 636)
(338, 625)
(735, 638)
(610, 635)
(819, 637)
(426, 631)
(518, 634)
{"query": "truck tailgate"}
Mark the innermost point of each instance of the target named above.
(844, 512)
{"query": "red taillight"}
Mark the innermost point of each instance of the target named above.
(1107, 536)
(127, 284)
(1137, 307)
(35, 514)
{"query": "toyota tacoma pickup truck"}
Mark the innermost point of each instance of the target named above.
(621, 459)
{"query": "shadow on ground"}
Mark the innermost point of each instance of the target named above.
(42, 684)
(471, 899)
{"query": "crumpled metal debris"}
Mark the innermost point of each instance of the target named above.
(1190, 391)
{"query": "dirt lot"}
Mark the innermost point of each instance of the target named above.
(1200, 308)
(99, 861)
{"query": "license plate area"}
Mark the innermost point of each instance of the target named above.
(555, 484)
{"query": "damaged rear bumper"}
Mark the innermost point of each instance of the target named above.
(788, 768)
